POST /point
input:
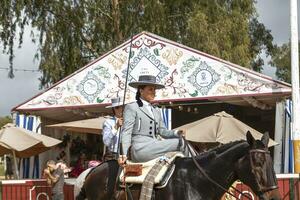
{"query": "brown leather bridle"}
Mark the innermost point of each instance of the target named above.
(266, 154)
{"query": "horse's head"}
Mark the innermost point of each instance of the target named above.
(255, 169)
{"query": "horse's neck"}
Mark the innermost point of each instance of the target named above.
(221, 167)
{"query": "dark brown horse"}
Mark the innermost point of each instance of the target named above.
(248, 161)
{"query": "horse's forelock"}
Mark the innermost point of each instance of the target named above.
(259, 145)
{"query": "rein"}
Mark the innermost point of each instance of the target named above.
(210, 179)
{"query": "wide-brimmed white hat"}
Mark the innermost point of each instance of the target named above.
(146, 80)
(115, 102)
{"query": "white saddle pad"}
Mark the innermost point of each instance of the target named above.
(146, 168)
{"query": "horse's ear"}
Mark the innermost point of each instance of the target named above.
(265, 139)
(250, 138)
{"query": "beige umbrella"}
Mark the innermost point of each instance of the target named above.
(220, 127)
(84, 126)
(23, 143)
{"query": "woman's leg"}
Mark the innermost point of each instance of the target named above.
(155, 149)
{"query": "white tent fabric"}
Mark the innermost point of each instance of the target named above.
(219, 127)
(24, 142)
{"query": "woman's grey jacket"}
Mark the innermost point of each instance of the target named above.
(140, 131)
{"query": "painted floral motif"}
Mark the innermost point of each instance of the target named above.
(177, 88)
(144, 41)
(103, 72)
(194, 94)
(204, 78)
(71, 85)
(90, 87)
(248, 83)
(226, 89)
(35, 102)
(188, 65)
(99, 100)
(58, 92)
(115, 91)
(227, 73)
(50, 100)
(73, 100)
(254, 85)
(156, 51)
(172, 55)
(117, 60)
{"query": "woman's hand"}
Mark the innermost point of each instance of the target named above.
(120, 121)
(122, 160)
(181, 133)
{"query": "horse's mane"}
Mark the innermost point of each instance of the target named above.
(213, 152)
(223, 147)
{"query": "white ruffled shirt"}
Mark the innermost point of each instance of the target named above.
(148, 106)
(110, 134)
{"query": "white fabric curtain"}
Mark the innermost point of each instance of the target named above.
(167, 117)
(29, 167)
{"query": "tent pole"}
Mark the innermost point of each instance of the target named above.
(295, 84)
(16, 166)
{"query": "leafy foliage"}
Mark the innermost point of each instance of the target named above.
(5, 120)
(72, 32)
(281, 59)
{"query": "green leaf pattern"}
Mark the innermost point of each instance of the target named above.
(103, 72)
(188, 65)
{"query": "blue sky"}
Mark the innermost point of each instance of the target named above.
(273, 13)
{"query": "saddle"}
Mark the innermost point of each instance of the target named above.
(136, 173)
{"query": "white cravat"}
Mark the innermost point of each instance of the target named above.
(148, 106)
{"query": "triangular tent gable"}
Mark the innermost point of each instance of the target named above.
(186, 73)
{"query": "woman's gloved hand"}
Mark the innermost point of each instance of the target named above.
(122, 160)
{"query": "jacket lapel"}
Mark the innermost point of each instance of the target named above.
(146, 112)
(156, 113)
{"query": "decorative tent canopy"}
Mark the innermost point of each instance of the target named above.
(189, 75)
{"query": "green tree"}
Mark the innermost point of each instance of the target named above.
(281, 59)
(5, 120)
(71, 33)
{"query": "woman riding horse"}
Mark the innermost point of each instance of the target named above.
(248, 161)
(143, 123)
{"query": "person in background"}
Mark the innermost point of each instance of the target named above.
(80, 166)
(143, 124)
(111, 129)
(55, 178)
(94, 162)
(63, 165)
(9, 170)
